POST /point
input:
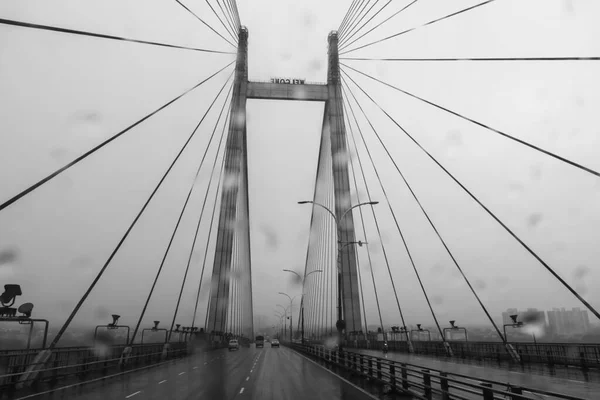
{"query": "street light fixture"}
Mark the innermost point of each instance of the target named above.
(302, 298)
(419, 330)
(453, 328)
(340, 324)
(291, 310)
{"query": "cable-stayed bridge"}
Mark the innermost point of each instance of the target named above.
(186, 357)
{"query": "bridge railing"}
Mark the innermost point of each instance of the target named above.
(82, 362)
(567, 354)
(425, 383)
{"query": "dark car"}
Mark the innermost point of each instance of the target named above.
(275, 343)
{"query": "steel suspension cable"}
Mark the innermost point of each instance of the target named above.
(378, 25)
(454, 14)
(201, 20)
(232, 312)
(356, 254)
(348, 13)
(321, 264)
(22, 24)
(475, 59)
(184, 207)
(362, 220)
(352, 21)
(233, 35)
(424, 213)
(213, 214)
(387, 263)
(131, 226)
(489, 128)
(226, 17)
(212, 219)
(354, 29)
(346, 39)
(230, 11)
(487, 210)
(315, 286)
(233, 5)
(101, 145)
(311, 228)
(330, 250)
(187, 268)
(408, 252)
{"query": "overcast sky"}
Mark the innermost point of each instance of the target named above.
(60, 95)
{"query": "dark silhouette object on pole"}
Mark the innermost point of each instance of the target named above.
(112, 326)
(454, 328)
(419, 330)
(155, 328)
(9, 314)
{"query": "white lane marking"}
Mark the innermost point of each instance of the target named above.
(181, 373)
(161, 382)
(242, 391)
(247, 378)
(195, 368)
(205, 363)
(133, 394)
(251, 370)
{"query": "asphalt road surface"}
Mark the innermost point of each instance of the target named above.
(249, 373)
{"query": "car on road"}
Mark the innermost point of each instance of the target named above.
(234, 345)
(275, 343)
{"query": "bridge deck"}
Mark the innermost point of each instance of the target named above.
(249, 373)
(284, 91)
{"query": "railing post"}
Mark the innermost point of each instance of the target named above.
(362, 367)
(370, 370)
(379, 369)
(445, 386)
(404, 373)
(393, 376)
(488, 394)
(427, 383)
(516, 390)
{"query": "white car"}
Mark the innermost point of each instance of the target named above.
(234, 345)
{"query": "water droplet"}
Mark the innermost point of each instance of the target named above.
(102, 313)
(580, 271)
(534, 219)
(8, 256)
(479, 284)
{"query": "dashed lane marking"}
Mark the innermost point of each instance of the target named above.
(133, 394)
(247, 378)
(242, 391)
(161, 382)
(181, 373)
(195, 368)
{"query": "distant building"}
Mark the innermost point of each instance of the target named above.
(568, 322)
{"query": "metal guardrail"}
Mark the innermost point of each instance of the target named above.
(566, 354)
(425, 383)
(81, 362)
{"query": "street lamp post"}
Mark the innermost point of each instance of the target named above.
(302, 298)
(285, 313)
(454, 328)
(291, 311)
(340, 324)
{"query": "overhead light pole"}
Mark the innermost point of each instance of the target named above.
(340, 324)
(302, 298)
